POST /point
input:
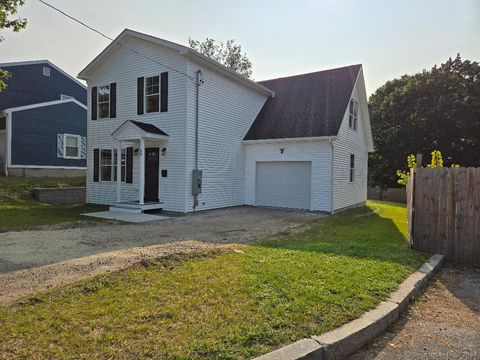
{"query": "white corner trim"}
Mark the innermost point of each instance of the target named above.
(289, 140)
(34, 62)
(48, 103)
(9, 141)
(47, 167)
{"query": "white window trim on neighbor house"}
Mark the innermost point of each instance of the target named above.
(103, 102)
(353, 114)
(79, 146)
(146, 96)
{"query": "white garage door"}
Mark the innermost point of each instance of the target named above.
(284, 184)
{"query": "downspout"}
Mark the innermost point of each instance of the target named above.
(199, 81)
(331, 176)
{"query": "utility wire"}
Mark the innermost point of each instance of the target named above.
(113, 40)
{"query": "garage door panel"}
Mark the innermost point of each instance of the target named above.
(283, 184)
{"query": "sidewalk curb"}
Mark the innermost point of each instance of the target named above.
(343, 341)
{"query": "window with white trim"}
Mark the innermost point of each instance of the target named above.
(103, 101)
(152, 94)
(352, 167)
(71, 146)
(106, 164)
(353, 114)
(123, 164)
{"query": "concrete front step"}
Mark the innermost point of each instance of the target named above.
(133, 208)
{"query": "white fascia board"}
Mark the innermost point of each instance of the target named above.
(202, 59)
(290, 140)
(47, 62)
(48, 103)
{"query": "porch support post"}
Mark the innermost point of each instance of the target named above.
(141, 193)
(119, 171)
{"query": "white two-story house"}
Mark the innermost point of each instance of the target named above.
(170, 128)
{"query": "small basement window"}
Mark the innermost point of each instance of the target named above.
(104, 101)
(352, 167)
(152, 94)
(71, 145)
(353, 114)
(46, 71)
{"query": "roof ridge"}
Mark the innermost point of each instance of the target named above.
(311, 73)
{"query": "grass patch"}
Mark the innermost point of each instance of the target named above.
(18, 210)
(20, 188)
(230, 305)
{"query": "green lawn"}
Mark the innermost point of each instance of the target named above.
(19, 210)
(224, 305)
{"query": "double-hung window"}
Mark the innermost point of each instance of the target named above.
(71, 145)
(106, 165)
(353, 114)
(152, 94)
(104, 101)
(123, 165)
(352, 167)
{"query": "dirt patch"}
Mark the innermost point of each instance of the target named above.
(18, 284)
(241, 225)
(34, 260)
(443, 324)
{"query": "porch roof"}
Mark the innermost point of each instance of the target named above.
(133, 130)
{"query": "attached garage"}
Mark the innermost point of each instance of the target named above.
(283, 184)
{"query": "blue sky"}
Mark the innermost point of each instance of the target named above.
(282, 38)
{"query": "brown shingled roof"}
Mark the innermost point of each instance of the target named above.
(307, 105)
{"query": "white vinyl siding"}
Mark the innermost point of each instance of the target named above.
(348, 193)
(316, 152)
(227, 110)
(123, 68)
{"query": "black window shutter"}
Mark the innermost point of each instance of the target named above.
(164, 92)
(113, 100)
(96, 163)
(129, 165)
(140, 87)
(94, 103)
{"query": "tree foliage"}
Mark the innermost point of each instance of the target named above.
(8, 8)
(229, 54)
(436, 162)
(435, 109)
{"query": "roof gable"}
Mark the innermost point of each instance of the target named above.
(126, 34)
(307, 105)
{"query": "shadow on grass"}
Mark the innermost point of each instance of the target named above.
(363, 233)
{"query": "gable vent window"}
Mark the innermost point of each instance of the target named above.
(46, 71)
(152, 94)
(104, 101)
(352, 167)
(353, 114)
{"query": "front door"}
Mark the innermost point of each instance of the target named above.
(152, 157)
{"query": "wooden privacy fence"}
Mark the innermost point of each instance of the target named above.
(444, 213)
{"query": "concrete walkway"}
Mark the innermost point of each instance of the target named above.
(126, 217)
(443, 324)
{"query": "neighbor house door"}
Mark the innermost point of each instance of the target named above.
(151, 174)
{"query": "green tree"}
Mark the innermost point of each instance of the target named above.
(229, 54)
(435, 109)
(7, 9)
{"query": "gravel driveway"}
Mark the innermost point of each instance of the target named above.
(443, 324)
(241, 225)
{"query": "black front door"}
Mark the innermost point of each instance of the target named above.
(151, 174)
